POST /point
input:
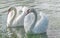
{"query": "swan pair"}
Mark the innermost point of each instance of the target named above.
(29, 17)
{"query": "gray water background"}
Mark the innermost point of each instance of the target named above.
(50, 7)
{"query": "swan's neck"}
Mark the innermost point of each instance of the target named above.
(33, 24)
(13, 15)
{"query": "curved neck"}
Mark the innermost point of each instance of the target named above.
(13, 14)
(33, 24)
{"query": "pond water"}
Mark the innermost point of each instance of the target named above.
(50, 7)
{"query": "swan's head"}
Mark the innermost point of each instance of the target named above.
(11, 9)
(25, 10)
(28, 10)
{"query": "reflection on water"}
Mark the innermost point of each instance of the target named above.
(16, 32)
(20, 33)
(42, 35)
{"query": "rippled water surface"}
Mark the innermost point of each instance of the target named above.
(50, 7)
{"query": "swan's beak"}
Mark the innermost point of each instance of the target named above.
(28, 11)
(9, 10)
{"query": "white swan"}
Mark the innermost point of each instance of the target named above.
(13, 11)
(31, 25)
(13, 19)
(30, 21)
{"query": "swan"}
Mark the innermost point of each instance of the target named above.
(14, 21)
(32, 26)
(11, 12)
(30, 21)
(13, 18)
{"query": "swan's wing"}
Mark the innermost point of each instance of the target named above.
(28, 21)
(20, 16)
(19, 20)
(41, 25)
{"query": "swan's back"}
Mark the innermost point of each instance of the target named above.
(28, 21)
(41, 25)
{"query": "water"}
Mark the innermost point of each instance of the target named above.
(50, 7)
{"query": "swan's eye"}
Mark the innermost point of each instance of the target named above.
(28, 11)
